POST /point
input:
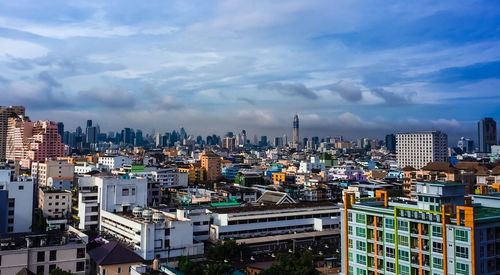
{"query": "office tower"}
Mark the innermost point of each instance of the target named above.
(139, 140)
(78, 131)
(439, 233)
(486, 134)
(60, 129)
(416, 149)
(5, 113)
(466, 145)
(182, 134)
(128, 136)
(229, 142)
(32, 141)
(278, 141)
(263, 141)
(315, 141)
(390, 143)
(244, 137)
(295, 132)
(92, 135)
(89, 123)
(211, 164)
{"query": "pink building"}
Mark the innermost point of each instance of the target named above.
(32, 141)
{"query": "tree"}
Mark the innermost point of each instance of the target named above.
(297, 264)
(59, 271)
(186, 266)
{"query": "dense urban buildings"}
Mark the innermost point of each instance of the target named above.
(416, 149)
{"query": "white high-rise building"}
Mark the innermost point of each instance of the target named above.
(416, 149)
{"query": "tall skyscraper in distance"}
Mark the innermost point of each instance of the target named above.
(390, 143)
(5, 113)
(60, 129)
(295, 132)
(486, 134)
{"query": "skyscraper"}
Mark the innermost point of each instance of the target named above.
(486, 134)
(5, 113)
(390, 143)
(295, 132)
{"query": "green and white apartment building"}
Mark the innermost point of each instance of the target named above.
(441, 232)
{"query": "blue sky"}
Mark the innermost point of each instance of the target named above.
(353, 68)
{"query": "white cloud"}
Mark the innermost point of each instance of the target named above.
(20, 48)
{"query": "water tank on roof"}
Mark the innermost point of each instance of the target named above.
(137, 211)
(158, 217)
(147, 214)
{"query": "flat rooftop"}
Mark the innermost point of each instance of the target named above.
(483, 212)
(287, 237)
(256, 208)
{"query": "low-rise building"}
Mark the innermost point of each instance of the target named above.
(16, 202)
(152, 233)
(53, 173)
(55, 205)
(114, 162)
(112, 258)
(42, 253)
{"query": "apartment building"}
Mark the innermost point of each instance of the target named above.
(416, 149)
(152, 233)
(259, 221)
(109, 193)
(211, 164)
(16, 202)
(42, 253)
(114, 162)
(57, 174)
(55, 205)
(5, 113)
(438, 233)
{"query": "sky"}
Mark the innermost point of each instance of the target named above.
(353, 68)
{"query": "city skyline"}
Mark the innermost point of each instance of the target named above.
(346, 68)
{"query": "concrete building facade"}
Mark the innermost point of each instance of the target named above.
(416, 149)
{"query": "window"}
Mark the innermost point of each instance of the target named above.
(360, 259)
(462, 252)
(389, 223)
(437, 247)
(53, 255)
(40, 270)
(80, 253)
(350, 243)
(402, 225)
(391, 267)
(404, 255)
(349, 217)
(389, 237)
(21, 187)
(104, 271)
(360, 271)
(125, 192)
(361, 245)
(360, 232)
(389, 252)
(462, 268)
(403, 240)
(80, 266)
(40, 256)
(361, 218)
(461, 235)
(437, 263)
(404, 270)
(436, 231)
(349, 230)
(51, 267)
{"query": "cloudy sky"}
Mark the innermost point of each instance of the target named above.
(353, 68)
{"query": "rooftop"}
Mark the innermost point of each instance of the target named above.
(256, 208)
(482, 212)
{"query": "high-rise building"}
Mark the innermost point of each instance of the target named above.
(440, 232)
(5, 113)
(416, 149)
(466, 145)
(229, 143)
(295, 132)
(390, 143)
(211, 164)
(92, 134)
(486, 134)
(32, 141)
(139, 140)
